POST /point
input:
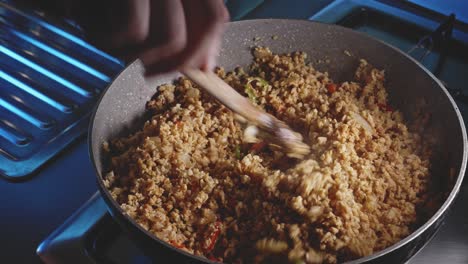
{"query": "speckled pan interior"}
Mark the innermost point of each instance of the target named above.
(410, 87)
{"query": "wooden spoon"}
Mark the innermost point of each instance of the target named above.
(275, 131)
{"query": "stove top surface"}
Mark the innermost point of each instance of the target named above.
(40, 205)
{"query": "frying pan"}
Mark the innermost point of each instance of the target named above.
(411, 88)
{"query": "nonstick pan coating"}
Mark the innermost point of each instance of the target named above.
(330, 48)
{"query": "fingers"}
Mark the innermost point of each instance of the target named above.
(194, 43)
(168, 36)
(205, 24)
(136, 30)
(209, 62)
(165, 34)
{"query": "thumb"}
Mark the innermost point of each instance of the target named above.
(212, 53)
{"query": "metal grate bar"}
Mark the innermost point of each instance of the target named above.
(12, 135)
(24, 114)
(27, 63)
(63, 56)
(50, 80)
(49, 100)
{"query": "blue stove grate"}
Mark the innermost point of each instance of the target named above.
(49, 82)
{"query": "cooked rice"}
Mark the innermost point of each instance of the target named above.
(189, 178)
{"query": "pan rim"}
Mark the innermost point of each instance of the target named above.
(442, 209)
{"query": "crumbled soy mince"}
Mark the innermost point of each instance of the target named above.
(188, 177)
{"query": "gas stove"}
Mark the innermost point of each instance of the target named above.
(66, 181)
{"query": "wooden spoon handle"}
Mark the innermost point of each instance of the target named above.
(228, 96)
(277, 131)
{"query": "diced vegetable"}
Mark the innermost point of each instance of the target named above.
(386, 107)
(363, 122)
(250, 134)
(261, 83)
(250, 92)
(237, 152)
(214, 237)
(258, 146)
(175, 244)
(281, 109)
(249, 89)
(331, 87)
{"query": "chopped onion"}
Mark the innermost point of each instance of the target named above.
(250, 134)
(363, 122)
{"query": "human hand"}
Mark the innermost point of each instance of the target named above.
(165, 34)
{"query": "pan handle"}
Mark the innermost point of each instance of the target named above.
(439, 39)
(89, 236)
(70, 243)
